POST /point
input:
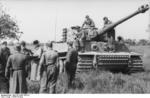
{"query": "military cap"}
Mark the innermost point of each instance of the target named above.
(35, 42)
(4, 43)
(87, 16)
(17, 47)
(105, 18)
(23, 43)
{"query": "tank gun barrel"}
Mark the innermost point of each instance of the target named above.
(141, 9)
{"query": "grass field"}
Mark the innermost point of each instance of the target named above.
(107, 82)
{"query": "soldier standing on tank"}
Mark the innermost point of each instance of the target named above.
(111, 33)
(109, 37)
(16, 64)
(88, 23)
(4, 54)
(35, 62)
(48, 70)
(71, 63)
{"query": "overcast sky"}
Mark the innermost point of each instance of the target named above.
(45, 19)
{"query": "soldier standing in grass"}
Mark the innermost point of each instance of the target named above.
(4, 54)
(34, 68)
(71, 63)
(16, 67)
(49, 74)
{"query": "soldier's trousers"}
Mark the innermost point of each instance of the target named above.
(34, 71)
(48, 80)
(4, 84)
(70, 71)
(18, 82)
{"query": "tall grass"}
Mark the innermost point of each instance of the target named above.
(102, 82)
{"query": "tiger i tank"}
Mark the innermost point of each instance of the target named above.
(96, 54)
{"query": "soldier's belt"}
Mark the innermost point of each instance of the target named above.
(16, 69)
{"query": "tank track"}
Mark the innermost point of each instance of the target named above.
(123, 63)
(136, 65)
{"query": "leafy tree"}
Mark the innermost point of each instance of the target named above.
(143, 42)
(8, 27)
(130, 41)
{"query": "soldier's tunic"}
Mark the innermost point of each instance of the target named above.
(34, 73)
(16, 66)
(4, 54)
(49, 73)
(110, 34)
(76, 44)
(88, 23)
(28, 67)
(71, 64)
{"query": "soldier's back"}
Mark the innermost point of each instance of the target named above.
(72, 55)
(50, 56)
(18, 60)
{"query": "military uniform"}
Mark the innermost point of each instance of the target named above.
(88, 23)
(28, 67)
(71, 64)
(111, 33)
(4, 54)
(16, 68)
(49, 73)
(76, 44)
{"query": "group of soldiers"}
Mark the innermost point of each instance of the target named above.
(88, 31)
(38, 65)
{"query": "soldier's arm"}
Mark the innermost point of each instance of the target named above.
(83, 24)
(8, 66)
(68, 57)
(41, 63)
(92, 23)
(57, 61)
(30, 52)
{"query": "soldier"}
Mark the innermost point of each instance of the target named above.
(71, 63)
(109, 37)
(49, 64)
(4, 54)
(88, 23)
(34, 68)
(28, 52)
(16, 64)
(111, 34)
(120, 45)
